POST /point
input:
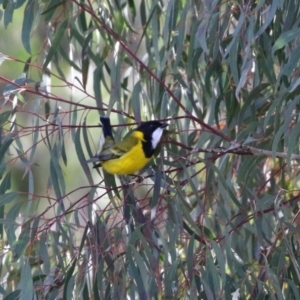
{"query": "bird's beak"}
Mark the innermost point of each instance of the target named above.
(164, 125)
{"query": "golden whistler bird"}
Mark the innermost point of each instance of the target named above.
(133, 152)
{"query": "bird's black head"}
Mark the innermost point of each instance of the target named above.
(152, 131)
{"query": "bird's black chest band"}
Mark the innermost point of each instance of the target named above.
(147, 147)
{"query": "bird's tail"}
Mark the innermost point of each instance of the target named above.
(109, 139)
(106, 127)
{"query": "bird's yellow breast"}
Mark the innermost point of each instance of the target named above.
(130, 162)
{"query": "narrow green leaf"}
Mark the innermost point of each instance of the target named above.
(4, 147)
(56, 175)
(220, 262)
(27, 24)
(4, 117)
(272, 110)
(223, 184)
(115, 94)
(136, 102)
(294, 288)
(2, 290)
(98, 286)
(155, 35)
(69, 281)
(171, 279)
(30, 192)
(285, 38)
(278, 137)
(19, 3)
(85, 291)
(257, 92)
(193, 56)
(5, 183)
(167, 30)
(7, 222)
(132, 8)
(201, 32)
(293, 141)
(208, 292)
(295, 84)
(81, 157)
(97, 86)
(22, 242)
(82, 19)
(51, 8)
(85, 59)
(236, 33)
(274, 280)
(26, 283)
(10, 228)
(7, 198)
(84, 237)
(26, 66)
(180, 38)
(190, 255)
(43, 248)
(23, 158)
(107, 291)
(35, 136)
(292, 62)
(8, 13)
(185, 214)
(66, 57)
(47, 109)
(245, 71)
(86, 139)
(63, 152)
(156, 194)
(138, 271)
(59, 34)
(13, 295)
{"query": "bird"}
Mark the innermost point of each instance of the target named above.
(133, 152)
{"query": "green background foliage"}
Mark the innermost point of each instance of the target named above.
(216, 215)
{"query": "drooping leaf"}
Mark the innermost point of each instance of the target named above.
(27, 24)
(60, 32)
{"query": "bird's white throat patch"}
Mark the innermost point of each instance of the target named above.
(156, 136)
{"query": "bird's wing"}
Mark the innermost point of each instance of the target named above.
(105, 153)
(109, 142)
(111, 150)
(124, 146)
